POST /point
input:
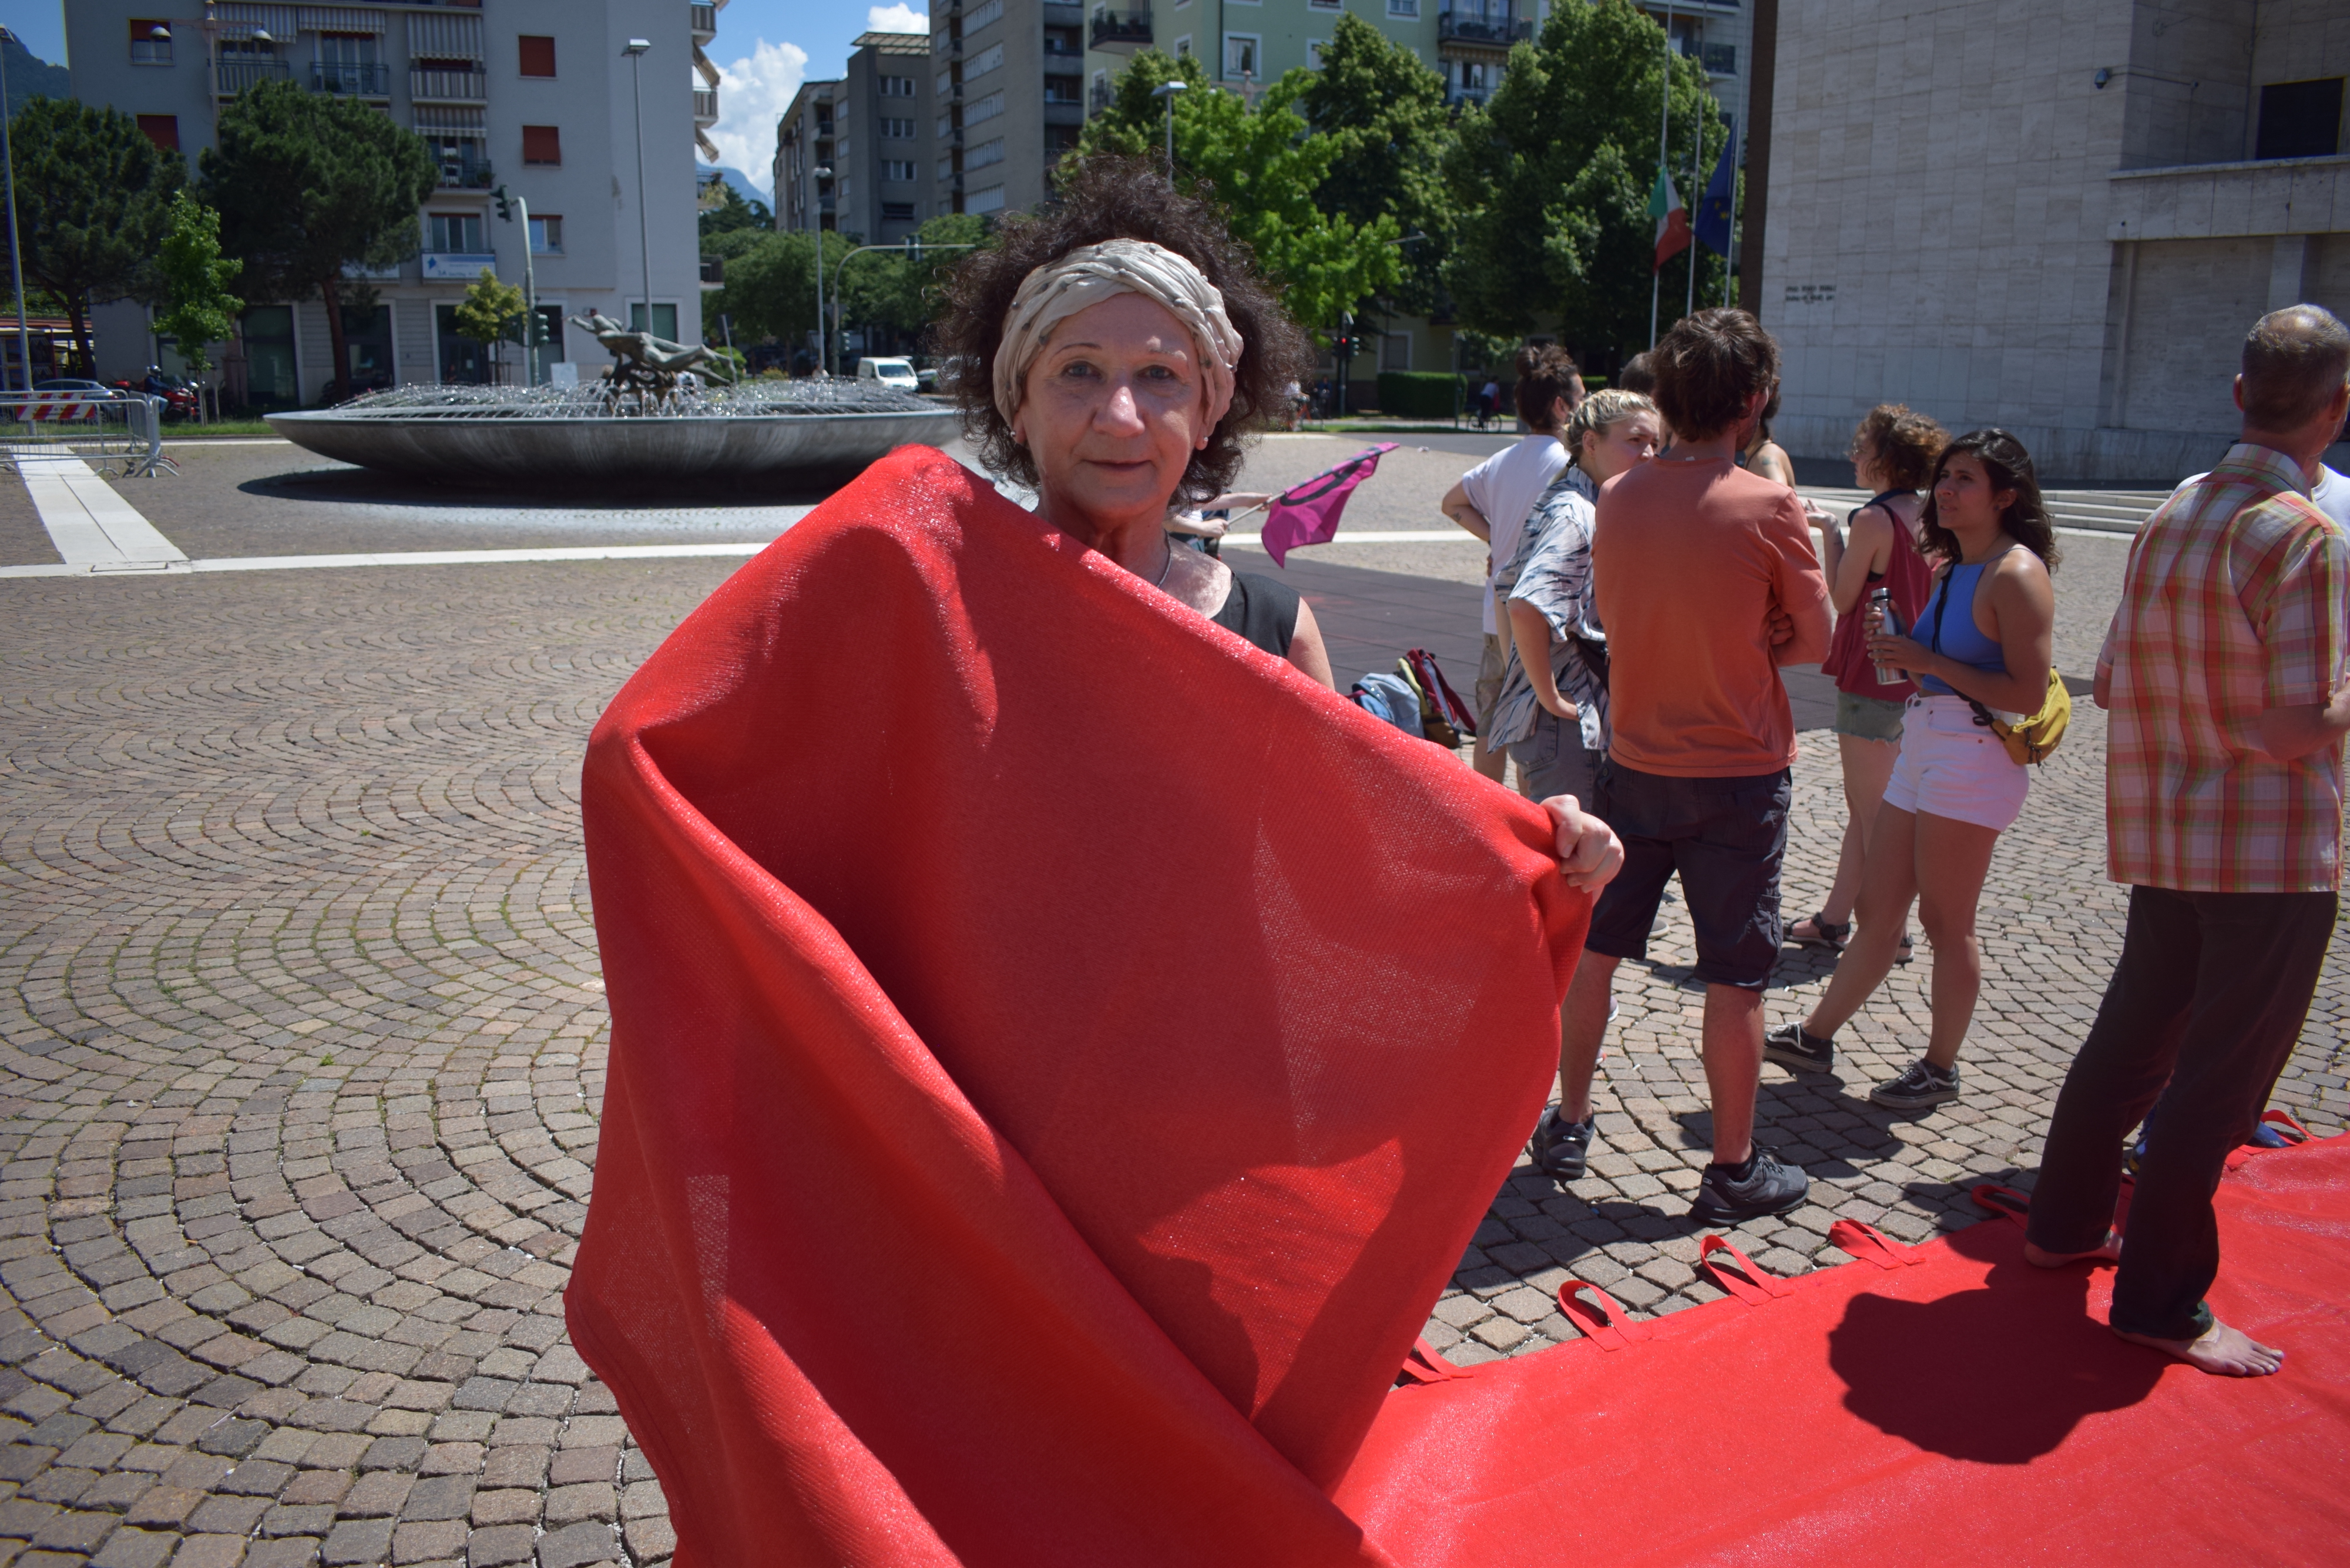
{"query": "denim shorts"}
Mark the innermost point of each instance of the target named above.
(1867, 718)
(1552, 761)
(1726, 836)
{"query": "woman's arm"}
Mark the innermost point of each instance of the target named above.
(2023, 610)
(1864, 553)
(1531, 634)
(1457, 505)
(1770, 461)
(1305, 648)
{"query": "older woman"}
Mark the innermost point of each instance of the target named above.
(1119, 349)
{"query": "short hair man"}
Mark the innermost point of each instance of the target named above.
(1706, 583)
(2225, 675)
(1493, 499)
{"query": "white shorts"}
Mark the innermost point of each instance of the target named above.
(1951, 767)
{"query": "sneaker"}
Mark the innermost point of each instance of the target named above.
(1791, 1046)
(1560, 1147)
(1922, 1086)
(1769, 1188)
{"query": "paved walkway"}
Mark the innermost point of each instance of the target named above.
(302, 1038)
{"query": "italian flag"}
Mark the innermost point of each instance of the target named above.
(1672, 219)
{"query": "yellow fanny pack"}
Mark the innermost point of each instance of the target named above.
(2031, 738)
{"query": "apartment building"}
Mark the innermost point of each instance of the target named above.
(537, 96)
(1009, 76)
(854, 153)
(2061, 221)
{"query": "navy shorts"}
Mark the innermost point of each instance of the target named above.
(1726, 837)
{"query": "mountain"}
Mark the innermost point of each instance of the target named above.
(737, 179)
(29, 75)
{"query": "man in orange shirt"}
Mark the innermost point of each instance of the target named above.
(1706, 583)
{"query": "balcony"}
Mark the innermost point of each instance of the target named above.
(1492, 34)
(231, 77)
(705, 106)
(713, 271)
(466, 174)
(1120, 30)
(351, 80)
(1456, 96)
(461, 266)
(449, 87)
(1719, 59)
(1097, 98)
(705, 22)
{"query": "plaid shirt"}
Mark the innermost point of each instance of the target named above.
(2233, 603)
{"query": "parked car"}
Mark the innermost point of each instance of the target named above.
(70, 386)
(897, 374)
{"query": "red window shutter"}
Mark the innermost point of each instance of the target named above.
(162, 130)
(537, 54)
(542, 144)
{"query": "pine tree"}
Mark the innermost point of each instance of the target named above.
(94, 202)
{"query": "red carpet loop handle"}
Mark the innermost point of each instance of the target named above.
(2277, 1115)
(1757, 1285)
(2005, 1200)
(1610, 1330)
(1426, 1363)
(1867, 1242)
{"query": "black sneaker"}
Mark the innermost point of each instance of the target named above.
(1768, 1188)
(1560, 1147)
(1922, 1086)
(1790, 1046)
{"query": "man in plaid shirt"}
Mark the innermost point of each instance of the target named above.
(2224, 672)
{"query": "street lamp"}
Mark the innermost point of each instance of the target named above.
(15, 257)
(636, 52)
(1167, 89)
(823, 338)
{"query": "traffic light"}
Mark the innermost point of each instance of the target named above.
(505, 204)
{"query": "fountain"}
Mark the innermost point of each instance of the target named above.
(655, 416)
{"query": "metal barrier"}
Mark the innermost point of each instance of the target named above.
(121, 435)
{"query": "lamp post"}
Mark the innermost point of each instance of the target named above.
(1167, 89)
(823, 338)
(15, 257)
(635, 50)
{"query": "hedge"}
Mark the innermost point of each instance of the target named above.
(1421, 394)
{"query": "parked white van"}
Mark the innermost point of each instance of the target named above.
(894, 373)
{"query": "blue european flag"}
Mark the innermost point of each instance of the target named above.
(1710, 221)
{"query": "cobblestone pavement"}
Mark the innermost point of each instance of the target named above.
(301, 1053)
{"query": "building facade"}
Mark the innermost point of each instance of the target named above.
(2061, 221)
(535, 96)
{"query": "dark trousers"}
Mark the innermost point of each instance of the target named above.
(2209, 999)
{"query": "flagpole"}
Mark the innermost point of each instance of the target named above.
(1729, 252)
(1664, 152)
(1696, 169)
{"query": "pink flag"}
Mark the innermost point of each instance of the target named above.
(1307, 513)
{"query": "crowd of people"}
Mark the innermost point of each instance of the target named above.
(1653, 572)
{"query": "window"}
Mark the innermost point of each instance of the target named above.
(2300, 120)
(898, 212)
(982, 16)
(1403, 7)
(347, 48)
(664, 319)
(988, 200)
(1241, 57)
(162, 130)
(1324, 5)
(985, 154)
(1395, 351)
(1182, 45)
(542, 144)
(146, 48)
(984, 109)
(943, 84)
(537, 54)
(900, 169)
(1064, 90)
(547, 236)
(984, 61)
(946, 167)
(945, 127)
(897, 87)
(457, 233)
(843, 153)
(896, 130)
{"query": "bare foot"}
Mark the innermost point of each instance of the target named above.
(2220, 1350)
(2108, 1250)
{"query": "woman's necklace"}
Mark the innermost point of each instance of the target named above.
(1169, 545)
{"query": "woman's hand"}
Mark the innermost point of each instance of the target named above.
(1556, 705)
(1900, 653)
(1589, 854)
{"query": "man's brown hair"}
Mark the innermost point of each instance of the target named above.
(2295, 360)
(1546, 373)
(1709, 368)
(1907, 445)
(1639, 375)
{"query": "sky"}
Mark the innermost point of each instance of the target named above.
(764, 50)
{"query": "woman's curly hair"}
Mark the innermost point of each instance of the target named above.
(1106, 198)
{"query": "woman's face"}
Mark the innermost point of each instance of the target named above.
(1963, 496)
(1112, 411)
(1627, 444)
(1864, 466)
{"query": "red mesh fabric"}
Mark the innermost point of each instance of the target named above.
(1059, 1053)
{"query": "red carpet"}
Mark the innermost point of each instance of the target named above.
(1059, 1055)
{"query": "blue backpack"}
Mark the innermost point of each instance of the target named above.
(1389, 697)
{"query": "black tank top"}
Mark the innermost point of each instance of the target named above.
(1261, 609)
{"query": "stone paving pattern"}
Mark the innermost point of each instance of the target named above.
(302, 1045)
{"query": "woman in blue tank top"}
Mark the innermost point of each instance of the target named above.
(1983, 644)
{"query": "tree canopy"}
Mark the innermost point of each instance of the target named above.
(93, 202)
(1381, 110)
(770, 287)
(728, 213)
(491, 311)
(307, 185)
(198, 309)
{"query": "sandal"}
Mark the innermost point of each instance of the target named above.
(1824, 933)
(1905, 952)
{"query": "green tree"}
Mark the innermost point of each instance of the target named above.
(1382, 110)
(1263, 168)
(903, 291)
(309, 183)
(490, 312)
(199, 310)
(770, 287)
(727, 212)
(1552, 176)
(93, 203)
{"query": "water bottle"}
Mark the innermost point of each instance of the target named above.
(1881, 600)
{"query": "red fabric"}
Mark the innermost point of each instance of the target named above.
(1059, 1053)
(1966, 1409)
(1912, 581)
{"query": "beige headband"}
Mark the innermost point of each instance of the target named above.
(1085, 277)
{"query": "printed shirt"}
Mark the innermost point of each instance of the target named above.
(1504, 488)
(2232, 602)
(1550, 570)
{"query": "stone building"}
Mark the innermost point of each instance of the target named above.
(2058, 219)
(533, 94)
